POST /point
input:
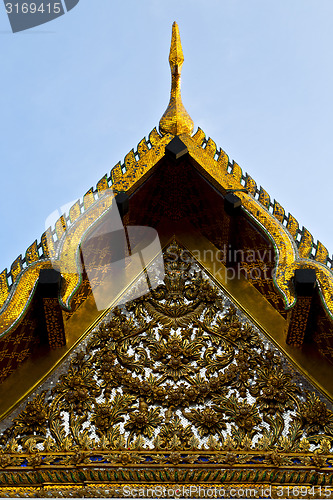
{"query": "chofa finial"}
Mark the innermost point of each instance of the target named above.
(176, 120)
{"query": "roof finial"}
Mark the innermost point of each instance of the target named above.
(176, 120)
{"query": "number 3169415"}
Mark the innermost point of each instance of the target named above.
(33, 8)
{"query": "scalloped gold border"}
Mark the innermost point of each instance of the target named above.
(13, 309)
(204, 153)
(289, 256)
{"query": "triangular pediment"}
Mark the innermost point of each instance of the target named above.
(215, 379)
(176, 384)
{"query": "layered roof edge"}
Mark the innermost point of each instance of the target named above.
(295, 247)
(307, 247)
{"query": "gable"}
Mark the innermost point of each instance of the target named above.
(173, 385)
(219, 376)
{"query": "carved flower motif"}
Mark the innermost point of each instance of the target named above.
(107, 415)
(125, 458)
(159, 393)
(192, 393)
(214, 383)
(35, 460)
(133, 384)
(234, 332)
(277, 390)
(35, 415)
(185, 350)
(5, 460)
(79, 457)
(318, 460)
(146, 389)
(101, 417)
(246, 416)
(204, 389)
(230, 458)
(33, 419)
(243, 415)
(176, 396)
(275, 458)
(175, 458)
(144, 422)
(207, 421)
(79, 388)
(315, 416)
(208, 294)
(175, 356)
(104, 332)
(175, 429)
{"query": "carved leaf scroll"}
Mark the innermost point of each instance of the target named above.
(180, 376)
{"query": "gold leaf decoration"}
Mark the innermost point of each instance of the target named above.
(178, 377)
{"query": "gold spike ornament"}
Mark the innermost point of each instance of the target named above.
(176, 120)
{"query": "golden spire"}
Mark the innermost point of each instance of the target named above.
(176, 120)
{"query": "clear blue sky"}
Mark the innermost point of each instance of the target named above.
(78, 93)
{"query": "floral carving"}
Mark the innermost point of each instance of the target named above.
(207, 421)
(33, 419)
(315, 416)
(177, 376)
(144, 421)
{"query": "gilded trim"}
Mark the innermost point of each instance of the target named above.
(289, 256)
(63, 252)
(259, 310)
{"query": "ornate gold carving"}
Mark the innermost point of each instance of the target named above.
(88, 199)
(16, 268)
(116, 175)
(175, 379)
(236, 172)
(298, 321)
(155, 138)
(4, 289)
(48, 245)
(274, 229)
(264, 198)
(222, 483)
(176, 120)
(321, 253)
(278, 212)
(17, 302)
(75, 212)
(137, 164)
(250, 185)
(68, 258)
(130, 161)
(60, 227)
(142, 148)
(199, 136)
(102, 185)
(54, 323)
(223, 160)
(289, 257)
(210, 147)
(306, 244)
(31, 255)
(292, 226)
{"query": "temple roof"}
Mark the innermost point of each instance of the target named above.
(295, 247)
(176, 386)
(176, 120)
(204, 378)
